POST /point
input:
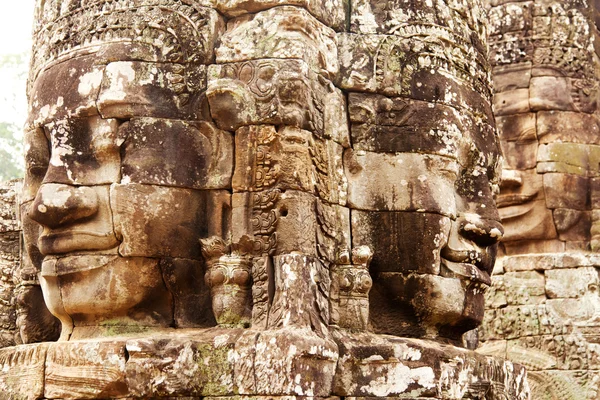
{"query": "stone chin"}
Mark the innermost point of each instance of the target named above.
(105, 290)
(429, 306)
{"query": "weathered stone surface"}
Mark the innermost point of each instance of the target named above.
(404, 368)
(566, 191)
(330, 12)
(147, 217)
(56, 95)
(384, 124)
(276, 221)
(189, 365)
(278, 92)
(573, 225)
(518, 127)
(520, 155)
(289, 158)
(570, 282)
(175, 153)
(570, 158)
(402, 182)
(516, 288)
(315, 43)
(572, 127)
(160, 90)
(84, 151)
(515, 101)
(86, 370)
(409, 67)
(388, 234)
(509, 77)
(193, 31)
(22, 373)
(179, 272)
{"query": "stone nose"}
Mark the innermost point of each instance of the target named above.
(510, 179)
(57, 204)
(482, 231)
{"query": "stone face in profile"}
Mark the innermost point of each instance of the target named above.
(121, 163)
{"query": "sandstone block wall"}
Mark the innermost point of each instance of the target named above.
(543, 308)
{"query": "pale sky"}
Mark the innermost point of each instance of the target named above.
(15, 25)
(16, 19)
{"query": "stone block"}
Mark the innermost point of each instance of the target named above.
(276, 92)
(395, 66)
(65, 209)
(84, 151)
(512, 322)
(301, 298)
(508, 77)
(401, 182)
(570, 282)
(580, 159)
(331, 12)
(551, 93)
(573, 225)
(274, 34)
(570, 311)
(37, 158)
(509, 102)
(185, 282)
(380, 366)
(517, 127)
(395, 247)
(520, 155)
(277, 222)
(34, 321)
(161, 90)
(535, 353)
(22, 371)
(149, 217)
(290, 158)
(115, 293)
(396, 125)
(566, 191)
(176, 153)
(565, 126)
(56, 95)
(200, 364)
(520, 288)
(305, 366)
(457, 21)
(91, 370)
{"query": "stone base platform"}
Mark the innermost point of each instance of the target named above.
(243, 363)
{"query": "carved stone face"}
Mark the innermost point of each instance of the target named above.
(546, 116)
(436, 227)
(123, 181)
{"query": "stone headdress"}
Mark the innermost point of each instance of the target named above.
(174, 31)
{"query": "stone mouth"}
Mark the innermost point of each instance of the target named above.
(465, 271)
(71, 241)
(514, 199)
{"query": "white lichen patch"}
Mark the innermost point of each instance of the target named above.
(89, 82)
(396, 378)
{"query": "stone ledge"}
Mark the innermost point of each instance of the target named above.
(244, 364)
